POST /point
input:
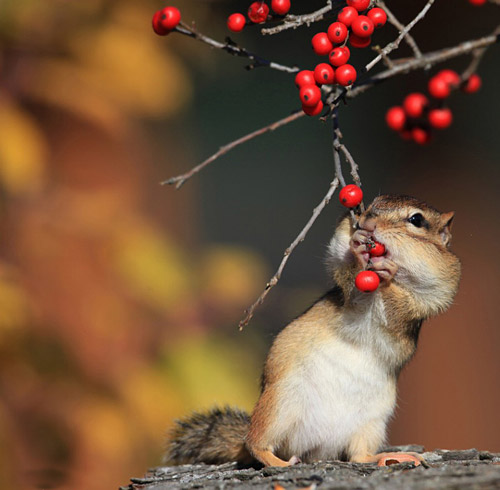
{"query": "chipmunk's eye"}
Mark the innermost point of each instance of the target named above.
(417, 220)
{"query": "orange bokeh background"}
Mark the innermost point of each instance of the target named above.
(119, 298)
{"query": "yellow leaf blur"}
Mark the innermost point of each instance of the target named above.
(22, 151)
(152, 401)
(153, 267)
(231, 275)
(125, 63)
(212, 370)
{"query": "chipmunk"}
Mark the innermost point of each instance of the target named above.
(329, 382)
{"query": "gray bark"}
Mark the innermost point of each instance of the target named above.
(467, 469)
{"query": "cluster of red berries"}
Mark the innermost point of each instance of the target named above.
(418, 116)
(166, 20)
(354, 24)
(257, 13)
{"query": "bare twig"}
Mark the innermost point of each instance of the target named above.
(294, 21)
(395, 44)
(233, 49)
(180, 179)
(387, 61)
(395, 22)
(412, 64)
(299, 238)
(352, 163)
(337, 148)
(477, 56)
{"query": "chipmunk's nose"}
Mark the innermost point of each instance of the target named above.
(367, 223)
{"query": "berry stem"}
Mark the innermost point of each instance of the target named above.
(288, 251)
(395, 22)
(232, 48)
(181, 179)
(395, 44)
(294, 21)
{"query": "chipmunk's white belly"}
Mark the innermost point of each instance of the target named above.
(337, 393)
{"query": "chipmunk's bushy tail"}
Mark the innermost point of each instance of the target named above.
(213, 437)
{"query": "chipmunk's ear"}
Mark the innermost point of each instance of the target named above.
(445, 229)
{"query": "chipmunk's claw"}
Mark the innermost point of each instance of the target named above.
(358, 246)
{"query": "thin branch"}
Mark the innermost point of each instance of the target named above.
(477, 56)
(294, 21)
(400, 27)
(234, 49)
(412, 64)
(337, 148)
(300, 238)
(354, 166)
(395, 44)
(180, 179)
(387, 61)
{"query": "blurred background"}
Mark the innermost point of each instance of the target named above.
(120, 299)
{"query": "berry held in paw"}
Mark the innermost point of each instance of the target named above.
(367, 281)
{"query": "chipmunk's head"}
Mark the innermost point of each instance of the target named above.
(395, 217)
(416, 237)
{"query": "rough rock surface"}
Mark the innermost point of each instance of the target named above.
(470, 469)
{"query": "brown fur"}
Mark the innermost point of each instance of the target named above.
(214, 437)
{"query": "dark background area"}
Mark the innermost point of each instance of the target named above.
(120, 298)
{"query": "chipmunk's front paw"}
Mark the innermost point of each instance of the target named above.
(384, 267)
(359, 246)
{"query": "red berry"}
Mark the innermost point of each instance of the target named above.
(439, 88)
(339, 56)
(359, 42)
(157, 27)
(414, 104)
(304, 77)
(350, 196)
(321, 44)
(473, 84)
(281, 7)
(395, 118)
(362, 26)
(451, 77)
(359, 5)
(420, 136)
(377, 249)
(170, 17)
(258, 12)
(310, 95)
(345, 75)
(440, 118)
(477, 2)
(367, 281)
(347, 15)
(377, 16)
(236, 22)
(324, 74)
(337, 32)
(313, 111)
